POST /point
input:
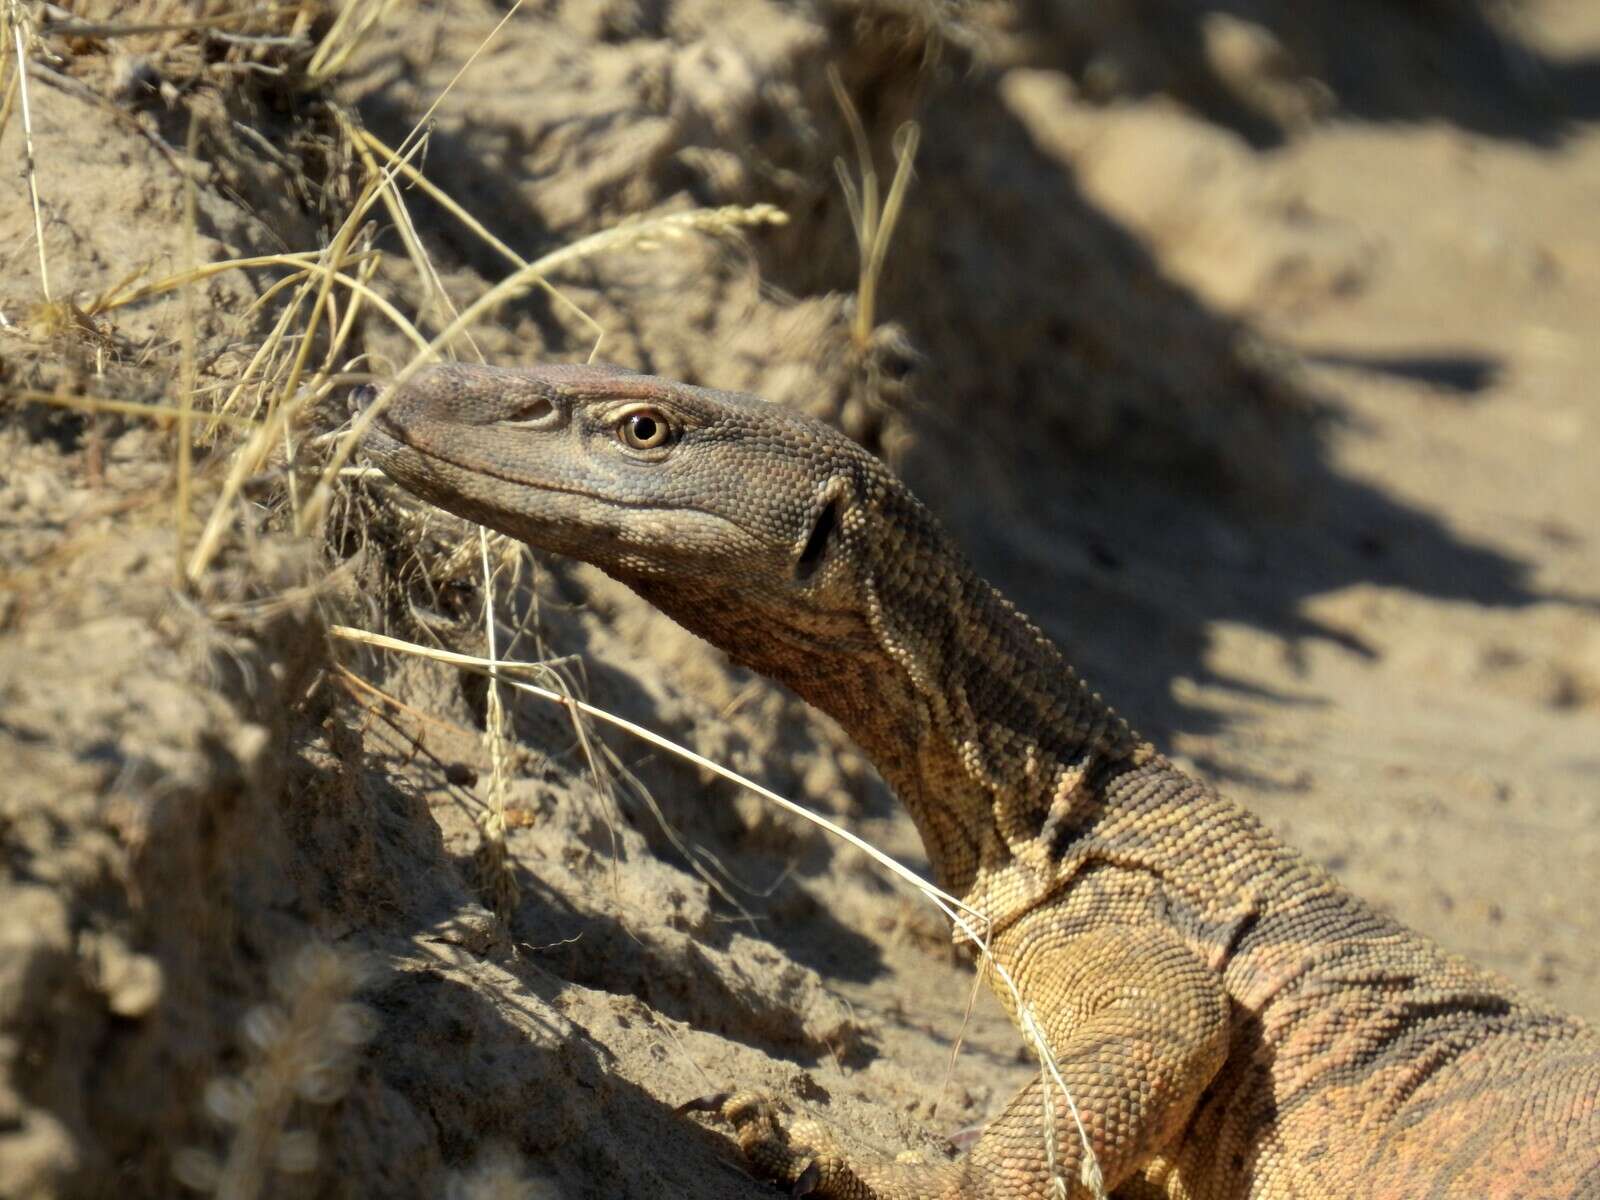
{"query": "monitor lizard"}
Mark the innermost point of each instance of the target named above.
(1231, 1021)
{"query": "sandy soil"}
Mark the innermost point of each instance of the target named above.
(1425, 724)
(1249, 351)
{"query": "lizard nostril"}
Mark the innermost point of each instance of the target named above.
(531, 415)
(361, 396)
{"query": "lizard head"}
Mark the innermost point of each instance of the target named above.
(729, 513)
(772, 536)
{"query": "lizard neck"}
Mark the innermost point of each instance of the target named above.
(971, 714)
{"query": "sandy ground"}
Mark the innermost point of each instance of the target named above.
(1266, 390)
(1428, 731)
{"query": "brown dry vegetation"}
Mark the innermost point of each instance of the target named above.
(1298, 467)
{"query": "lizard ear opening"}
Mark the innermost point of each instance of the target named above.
(816, 546)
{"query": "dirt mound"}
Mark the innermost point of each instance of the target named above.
(277, 916)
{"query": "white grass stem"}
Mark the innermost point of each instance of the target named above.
(946, 902)
(501, 883)
(29, 163)
(186, 374)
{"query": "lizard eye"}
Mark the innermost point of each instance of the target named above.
(644, 429)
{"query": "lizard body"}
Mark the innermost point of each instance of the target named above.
(1230, 1020)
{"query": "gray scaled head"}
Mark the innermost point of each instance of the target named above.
(731, 514)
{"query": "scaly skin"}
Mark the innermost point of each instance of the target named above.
(1231, 1021)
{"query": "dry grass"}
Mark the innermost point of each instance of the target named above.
(499, 881)
(276, 419)
(18, 22)
(873, 222)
